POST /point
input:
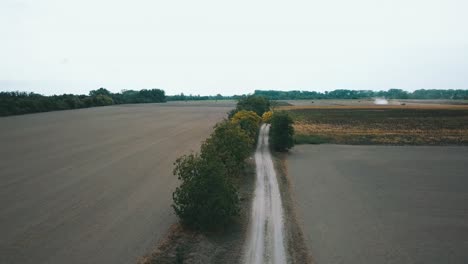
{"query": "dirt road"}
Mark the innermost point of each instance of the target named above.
(382, 204)
(265, 242)
(93, 185)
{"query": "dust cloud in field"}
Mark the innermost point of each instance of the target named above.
(381, 101)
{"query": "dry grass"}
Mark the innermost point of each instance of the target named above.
(376, 107)
(391, 125)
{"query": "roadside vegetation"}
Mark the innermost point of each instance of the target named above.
(266, 117)
(207, 198)
(257, 104)
(248, 121)
(215, 190)
(230, 144)
(281, 131)
(17, 103)
(388, 125)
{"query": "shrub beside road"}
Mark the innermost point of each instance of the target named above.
(207, 199)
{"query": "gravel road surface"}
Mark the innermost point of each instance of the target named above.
(265, 242)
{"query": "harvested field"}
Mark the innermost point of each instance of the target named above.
(389, 125)
(327, 102)
(94, 185)
(366, 102)
(382, 204)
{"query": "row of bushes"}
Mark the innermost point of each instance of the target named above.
(207, 198)
(17, 103)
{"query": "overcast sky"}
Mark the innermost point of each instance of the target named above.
(232, 47)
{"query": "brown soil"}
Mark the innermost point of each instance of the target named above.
(297, 248)
(93, 185)
(382, 204)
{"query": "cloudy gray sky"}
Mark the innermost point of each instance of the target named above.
(232, 47)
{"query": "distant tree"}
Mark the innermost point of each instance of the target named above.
(396, 94)
(257, 104)
(151, 96)
(102, 100)
(281, 131)
(16, 103)
(100, 91)
(206, 199)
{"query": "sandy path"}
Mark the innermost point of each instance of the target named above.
(93, 185)
(265, 242)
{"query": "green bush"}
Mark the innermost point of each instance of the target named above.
(206, 199)
(281, 131)
(230, 144)
(257, 104)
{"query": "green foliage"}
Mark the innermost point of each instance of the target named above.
(230, 144)
(249, 121)
(266, 117)
(100, 91)
(281, 131)
(257, 104)
(102, 100)
(16, 103)
(206, 199)
(142, 96)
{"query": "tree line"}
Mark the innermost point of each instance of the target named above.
(191, 97)
(207, 197)
(17, 103)
(362, 94)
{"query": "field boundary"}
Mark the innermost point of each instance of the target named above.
(297, 248)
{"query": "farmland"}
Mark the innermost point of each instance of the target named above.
(428, 124)
(382, 204)
(94, 185)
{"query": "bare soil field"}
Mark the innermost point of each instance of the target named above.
(382, 124)
(382, 204)
(94, 185)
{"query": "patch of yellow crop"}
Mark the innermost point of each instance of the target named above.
(351, 134)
